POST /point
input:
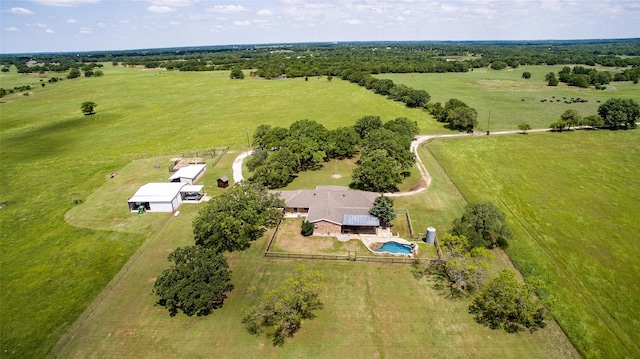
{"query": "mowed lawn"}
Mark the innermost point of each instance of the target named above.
(52, 156)
(573, 203)
(503, 99)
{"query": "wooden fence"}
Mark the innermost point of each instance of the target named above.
(405, 212)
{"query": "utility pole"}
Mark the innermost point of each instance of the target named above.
(489, 120)
(248, 145)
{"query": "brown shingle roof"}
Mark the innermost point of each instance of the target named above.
(330, 203)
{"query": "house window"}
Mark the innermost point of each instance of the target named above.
(315, 226)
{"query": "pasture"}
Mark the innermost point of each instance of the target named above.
(572, 202)
(503, 99)
(53, 156)
(57, 255)
(370, 310)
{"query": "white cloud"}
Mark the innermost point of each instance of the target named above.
(173, 3)
(12, 28)
(264, 12)
(174, 23)
(161, 9)
(65, 2)
(42, 25)
(71, 21)
(353, 22)
(242, 23)
(227, 9)
(48, 31)
(85, 30)
(20, 11)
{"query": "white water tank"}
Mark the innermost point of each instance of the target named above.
(431, 235)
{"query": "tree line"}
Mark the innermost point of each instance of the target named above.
(385, 156)
(615, 113)
(317, 59)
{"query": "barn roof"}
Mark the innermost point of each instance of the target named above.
(157, 192)
(190, 172)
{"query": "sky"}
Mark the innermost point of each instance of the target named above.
(31, 26)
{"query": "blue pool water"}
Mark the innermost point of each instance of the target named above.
(394, 247)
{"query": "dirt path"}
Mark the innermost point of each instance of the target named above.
(425, 181)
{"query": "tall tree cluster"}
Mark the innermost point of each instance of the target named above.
(484, 225)
(457, 114)
(384, 148)
(305, 145)
(386, 155)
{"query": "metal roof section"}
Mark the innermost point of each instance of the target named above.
(157, 192)
(360, 220)
(191, 172)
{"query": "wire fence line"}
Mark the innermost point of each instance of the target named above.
(73, 330)
(207, 153)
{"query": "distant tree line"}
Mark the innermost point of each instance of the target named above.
(322, 59)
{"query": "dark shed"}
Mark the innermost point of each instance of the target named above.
(223, 182)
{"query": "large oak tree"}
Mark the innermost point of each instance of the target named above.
(196, 283)
(231, 221)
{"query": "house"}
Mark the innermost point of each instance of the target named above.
(188, 174)
(164, 197)
(333, 209)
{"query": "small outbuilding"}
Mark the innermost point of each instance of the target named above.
(223, 182)
(188, 174)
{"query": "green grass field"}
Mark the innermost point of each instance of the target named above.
(370, 310)
(498, 95)
(52, 155)
(572, 202)
(57, 256)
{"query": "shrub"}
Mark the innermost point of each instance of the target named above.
(307, 229)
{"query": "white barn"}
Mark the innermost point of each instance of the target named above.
(164, 197)
(188, 174)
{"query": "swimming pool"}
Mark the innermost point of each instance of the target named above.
(394, 247)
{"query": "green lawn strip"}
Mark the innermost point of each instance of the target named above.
(571, 201)
(499, 95)
(370, 310)
(438, 205)
(52, 154)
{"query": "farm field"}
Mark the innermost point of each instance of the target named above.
(500, 94)
(53, 156)
(572, 202)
